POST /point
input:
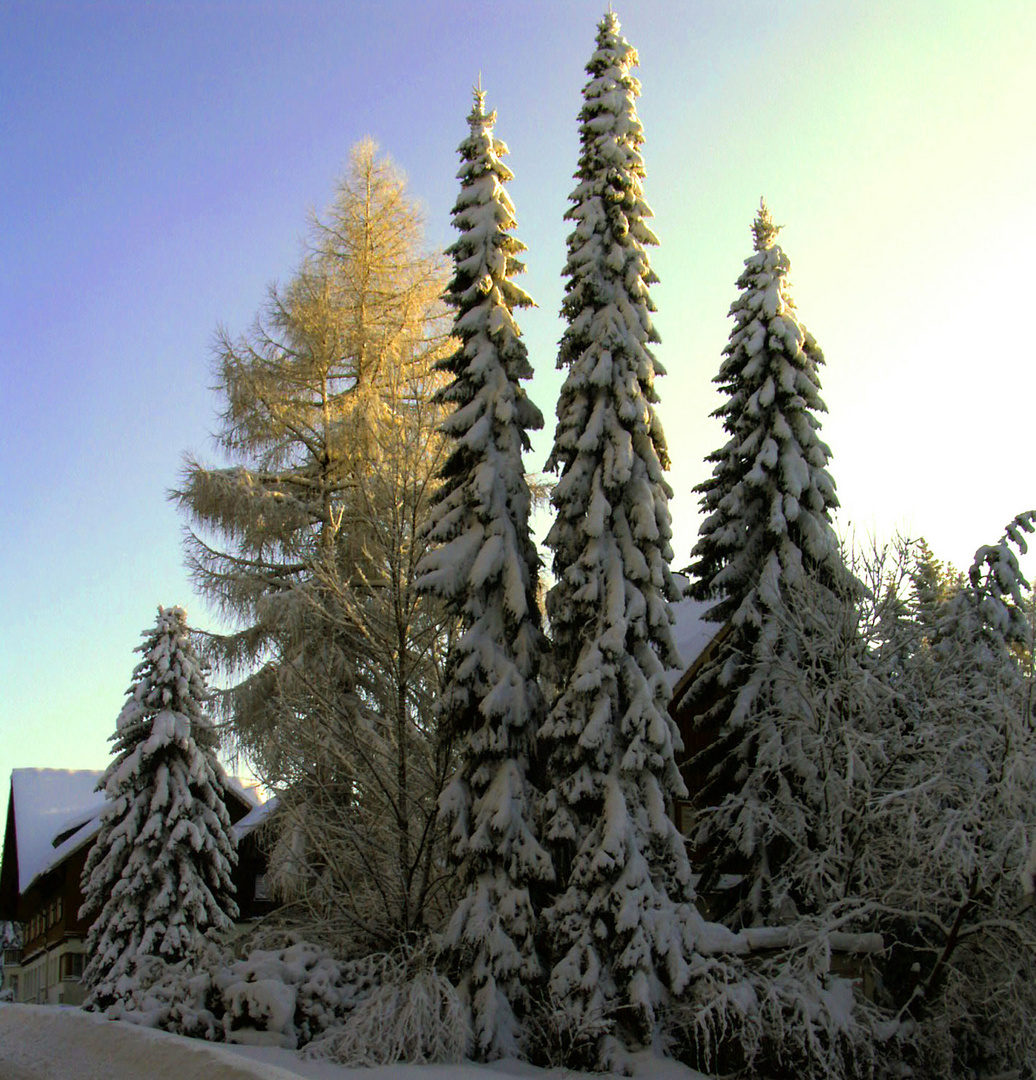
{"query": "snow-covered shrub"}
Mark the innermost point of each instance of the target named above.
(322, 991)
(953, 822)
(260, 1013)
(557, 1039)
(176, 997)
(412, 1014)
(284, 997)
(779, 1016)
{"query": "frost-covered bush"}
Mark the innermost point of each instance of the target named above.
(285, 997)
(780, 1016)
(413, 1014)
(953, 823)
(556, 1039)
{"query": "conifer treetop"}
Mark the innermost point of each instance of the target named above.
(606, 248)
(769, 500)
(168, 678)
(486, 253)
(764, 232)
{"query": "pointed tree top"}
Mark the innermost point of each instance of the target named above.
(608, 26)
(479, 115)
(613, 52)
(763, 229)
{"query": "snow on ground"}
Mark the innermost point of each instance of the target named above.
(43, 1042)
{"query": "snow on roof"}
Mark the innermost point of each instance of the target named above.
(254, 818)
(247, 791)
(47, 803)
(62, 805)
(691, 631)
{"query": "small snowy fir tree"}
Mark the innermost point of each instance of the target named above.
(623, 925)
(158, 875)
(483, 563)
(788, 755)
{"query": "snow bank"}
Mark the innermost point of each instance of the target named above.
(39, 1042)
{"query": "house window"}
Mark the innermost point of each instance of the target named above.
(72, 966)
(262, 887)
(58, 908)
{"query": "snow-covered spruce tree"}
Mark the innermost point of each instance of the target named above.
(789, 755)
(623, 923)
(954, 818)
(768, 502)
(158, 875)
(483, 564)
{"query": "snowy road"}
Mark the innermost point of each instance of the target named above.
(40, 1042)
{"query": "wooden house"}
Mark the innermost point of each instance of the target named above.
(697, 639)
(53, 817)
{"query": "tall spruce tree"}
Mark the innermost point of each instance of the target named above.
(158, 875)
(483, 564)
(623, 924)
(788, 758)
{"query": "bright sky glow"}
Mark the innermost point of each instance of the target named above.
(157, 162)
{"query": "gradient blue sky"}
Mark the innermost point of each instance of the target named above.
(158, 160)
